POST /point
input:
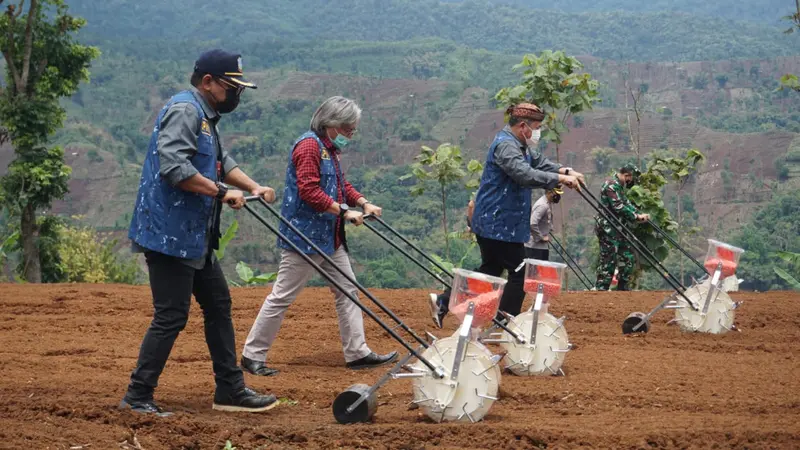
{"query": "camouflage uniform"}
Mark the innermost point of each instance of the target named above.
(615, 250)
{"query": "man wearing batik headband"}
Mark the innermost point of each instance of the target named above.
(513, 168)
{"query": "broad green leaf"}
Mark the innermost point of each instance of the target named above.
(791, 258)
(474, 166)
(517, 92)
(265, 278)
(793, 283)
(230, 233)
(244, 271)
(9, 241)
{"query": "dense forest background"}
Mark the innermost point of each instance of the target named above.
(705, 74)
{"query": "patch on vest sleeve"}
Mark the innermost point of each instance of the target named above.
(325, 154)
(205, 128)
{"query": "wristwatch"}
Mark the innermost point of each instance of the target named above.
(343, 208)
(567, 170)
(223, 190)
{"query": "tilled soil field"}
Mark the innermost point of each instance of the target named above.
(67, 352)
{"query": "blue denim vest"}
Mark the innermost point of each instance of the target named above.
(319, 227)
(502, 207)
(167, 219)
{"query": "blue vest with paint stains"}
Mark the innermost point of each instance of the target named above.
(502, 207)
(319, 227)
(167, 219)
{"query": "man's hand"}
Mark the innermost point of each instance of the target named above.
(354, 217)
(263, 191)
(643, 217)
(234, 198)
(578, 175)
(569, 181)
(369, 208)
(545, 238)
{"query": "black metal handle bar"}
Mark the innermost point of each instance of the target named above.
(411, 244)
(573, 265)
(566, 261)
(635, 243)
(407, 255)
(330, 279)
(564, 252)
(630, 236)
(429, 258)
(676, 245)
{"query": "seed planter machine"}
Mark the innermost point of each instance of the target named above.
(703, 307)
(454, 379)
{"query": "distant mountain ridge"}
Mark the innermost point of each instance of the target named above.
(626, 34)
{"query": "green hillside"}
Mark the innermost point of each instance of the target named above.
(765, 11)
(425, 72)
(262, 29)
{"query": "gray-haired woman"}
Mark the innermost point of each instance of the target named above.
(317, 200)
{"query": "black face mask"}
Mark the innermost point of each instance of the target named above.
(556, 198)
(230, 103)
(630, 184)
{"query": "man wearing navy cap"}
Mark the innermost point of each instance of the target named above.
(176, 224)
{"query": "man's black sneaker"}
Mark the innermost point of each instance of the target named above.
(372, 360)
(148, 407)
(246, 400)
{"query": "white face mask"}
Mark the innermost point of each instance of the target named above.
(533, 141)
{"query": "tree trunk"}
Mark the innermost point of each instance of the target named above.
(680, 233)
(444, 225)
(29, 233)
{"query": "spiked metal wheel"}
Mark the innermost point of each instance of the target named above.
(466, 396)
(543, 355)
(718, 316)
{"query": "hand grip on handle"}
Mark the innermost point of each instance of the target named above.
(256, 198)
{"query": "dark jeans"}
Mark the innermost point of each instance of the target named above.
(497, 256)
(542, 254)
(173, 284)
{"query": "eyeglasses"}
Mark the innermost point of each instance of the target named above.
(349, 131)
(228, 85)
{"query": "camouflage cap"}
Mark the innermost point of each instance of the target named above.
(630, 168)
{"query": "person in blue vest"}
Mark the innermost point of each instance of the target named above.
(318, 200)
(176, 224)
(501, 218)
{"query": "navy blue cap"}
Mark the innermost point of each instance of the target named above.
(224, 65)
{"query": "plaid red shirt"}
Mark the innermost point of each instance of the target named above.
(307, 160)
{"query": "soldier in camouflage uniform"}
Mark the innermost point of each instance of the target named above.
(615, 250)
